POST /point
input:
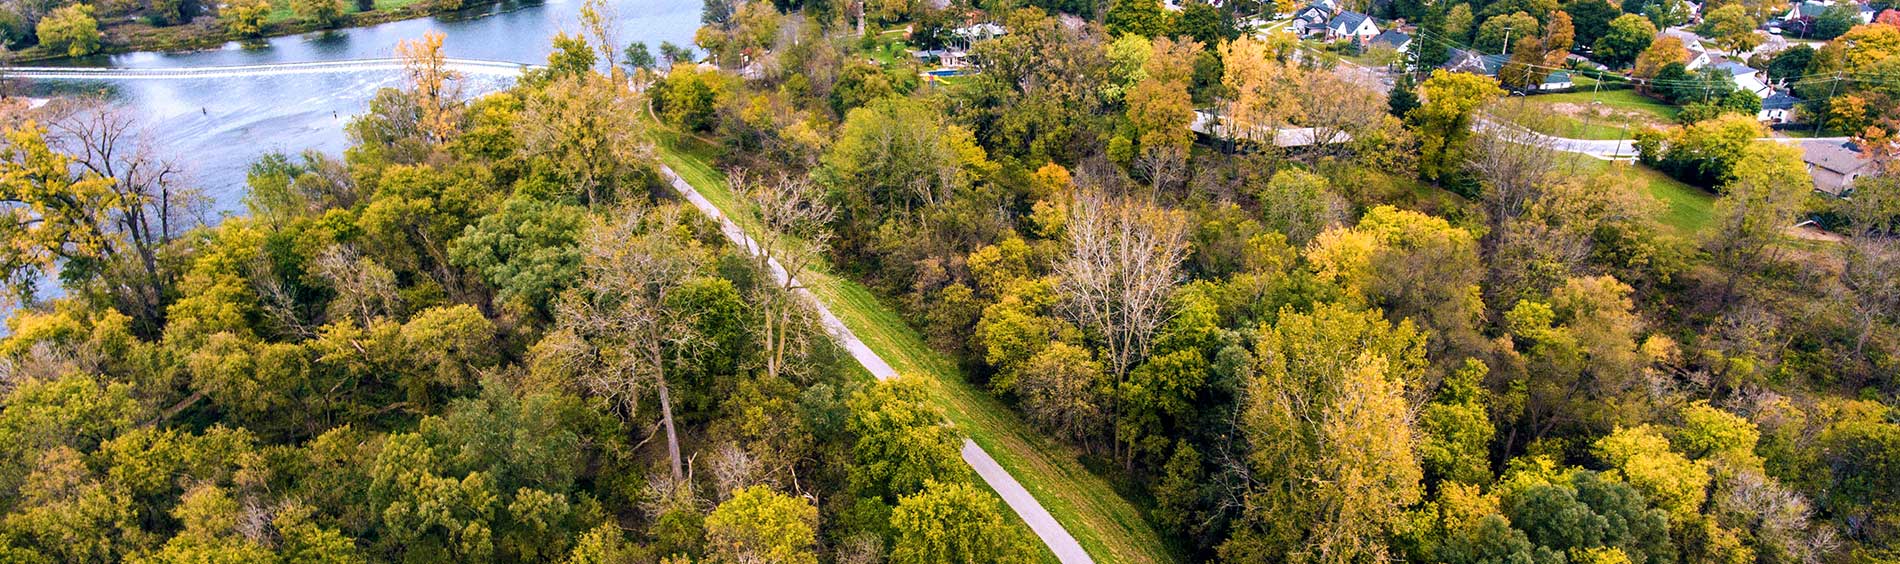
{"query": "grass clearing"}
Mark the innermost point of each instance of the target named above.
(1108, 526)
(1609, 114)
(1690, 209)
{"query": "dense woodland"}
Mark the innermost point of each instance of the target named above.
(489, 332)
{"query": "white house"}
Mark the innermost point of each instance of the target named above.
(1351, 25)
(1746, 77)
(1778, 107)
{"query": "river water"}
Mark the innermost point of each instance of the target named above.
(221, 125)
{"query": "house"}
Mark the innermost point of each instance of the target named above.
(1805, 10)
(1473, 62)
(1311, 20)
(1392, 39)
(1778, 107)
(1834, 165)
(1746, 77)
(1350, 25)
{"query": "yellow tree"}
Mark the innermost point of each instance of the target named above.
(52, 215)
(437, 89)
(1262, 80)
(1444, 120)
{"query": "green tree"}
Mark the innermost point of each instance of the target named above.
(954, 522)
(1834, 21)
(71, 28)
(576, 129)
(762, 526)
(320, 12)
(528, 251)
(244, 18)
(1492, 34)
(1731, 28)
(1456, 428)
(903, 443)
(1628, 36)
(1139, 17)
(426, 515)
(1591, 18)
(1444, 122)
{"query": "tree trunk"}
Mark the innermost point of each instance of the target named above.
(672, 438)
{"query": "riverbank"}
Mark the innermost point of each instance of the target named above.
(131, 34)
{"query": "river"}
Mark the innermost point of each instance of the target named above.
(221, 125)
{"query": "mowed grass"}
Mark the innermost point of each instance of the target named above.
(1690, 209)
(1613, 115)
(1108, 526)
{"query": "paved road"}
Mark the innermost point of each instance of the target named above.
(1611, 149)
(1032, 512)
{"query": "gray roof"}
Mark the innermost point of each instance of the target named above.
(1839, 157)
(1780, 100)
(1347, 19)
(1733, 68)
(1809, 9)
(1391, 37)
(1464, 60)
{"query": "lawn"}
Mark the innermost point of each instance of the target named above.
(1690, 209)
(1108, 526)
(1574, 115)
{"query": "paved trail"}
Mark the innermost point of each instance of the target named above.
(1032, 512)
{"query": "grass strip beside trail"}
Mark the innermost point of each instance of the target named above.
(1689, 209)
(1109, 527)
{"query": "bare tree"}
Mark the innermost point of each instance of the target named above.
(796, 218)
(155, 201)
(602, 24)
(1123, 265)
(1514, 162)
(1870, 271)
(634, 260)
(1339, 110)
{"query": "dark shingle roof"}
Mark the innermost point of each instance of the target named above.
(1780, 100)
(1347, 19)
(1391, 38)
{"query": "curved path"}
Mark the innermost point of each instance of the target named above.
(1060, 542)
(1614, 149)
(464, 66)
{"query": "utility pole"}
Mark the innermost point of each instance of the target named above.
(1507, 41)
(1831, 88)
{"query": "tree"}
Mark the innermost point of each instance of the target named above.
(903, 442)
(761, 526)
(1123, 262)
(426, 515)
(1456, 430)
(1062, 391)
(1499, 34)
(1458, 22)
(1574, 359)
(1731, 28)
(1331, 434)
(1661, 53)
(1415, 266)
(797, 232)
(638, 57)
(576, 127)
(244, 18)
(1758, 203)
(1669, 13)
(1206, 24)
(1299, 203)
(436, 89)
(1643, 457)
(60, 217)
(1591, 18)
(323, 13)
(1403, 97)
(71, 28)
(1834, 21)
(1139, 17)
(529, 251)
(1537, 55)
(954, 522)
(601, 23)
(1262, 81)
(1444, 122)
(624, 331)
(1629, 35)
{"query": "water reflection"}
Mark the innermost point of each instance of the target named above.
(223, 124)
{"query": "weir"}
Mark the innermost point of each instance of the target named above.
(464, 66)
